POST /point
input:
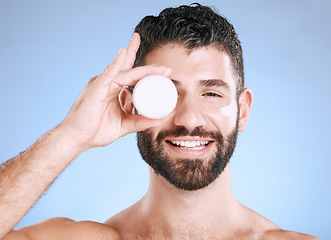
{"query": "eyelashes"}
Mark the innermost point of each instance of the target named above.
(213, 94)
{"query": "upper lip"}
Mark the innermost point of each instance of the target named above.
(188, 138)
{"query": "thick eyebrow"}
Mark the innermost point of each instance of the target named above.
(214, 83)
(207, 83)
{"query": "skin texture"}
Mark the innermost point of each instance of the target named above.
(165, 212)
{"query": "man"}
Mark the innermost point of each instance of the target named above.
(188, 151)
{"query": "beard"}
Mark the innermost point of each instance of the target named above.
(187, 174)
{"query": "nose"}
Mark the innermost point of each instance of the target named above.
(188, 113)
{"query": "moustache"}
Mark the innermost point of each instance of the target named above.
(181, 131)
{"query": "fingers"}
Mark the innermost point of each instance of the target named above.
(109, 73)
(115, 66)
(124, 59)
(119, 70)
(137, 123)
(132, 76)
(132, 51)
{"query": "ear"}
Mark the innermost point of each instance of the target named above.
(126, 101)
(245, 104)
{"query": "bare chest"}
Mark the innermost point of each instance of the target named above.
(190, 235)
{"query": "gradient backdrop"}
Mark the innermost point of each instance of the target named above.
(281, 167)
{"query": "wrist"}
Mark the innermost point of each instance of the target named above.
(67, 143)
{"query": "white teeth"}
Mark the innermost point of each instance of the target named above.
(190, 144)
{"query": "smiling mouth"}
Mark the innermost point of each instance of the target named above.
(191, 145)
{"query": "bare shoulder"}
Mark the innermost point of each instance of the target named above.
(264, 229)
(64, 228)
(284, 234)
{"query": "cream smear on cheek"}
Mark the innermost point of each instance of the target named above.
(228, 110)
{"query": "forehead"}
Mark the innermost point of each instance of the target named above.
(203, 63)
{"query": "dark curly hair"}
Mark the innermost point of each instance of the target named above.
(192, 26)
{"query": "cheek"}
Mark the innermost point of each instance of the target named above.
(228, 110)
(224, 117)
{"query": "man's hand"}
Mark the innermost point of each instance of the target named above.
(96, 118)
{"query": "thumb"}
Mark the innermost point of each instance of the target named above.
(136, 123)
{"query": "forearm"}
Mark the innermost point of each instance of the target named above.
(96, 119)
(25, 177)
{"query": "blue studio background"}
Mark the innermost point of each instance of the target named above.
(280, 169)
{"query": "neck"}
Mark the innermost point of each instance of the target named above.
(213, 206)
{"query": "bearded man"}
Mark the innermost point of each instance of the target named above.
(188, 151)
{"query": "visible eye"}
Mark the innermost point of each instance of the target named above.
(212, 94)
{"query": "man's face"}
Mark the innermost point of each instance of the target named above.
(195, 142)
